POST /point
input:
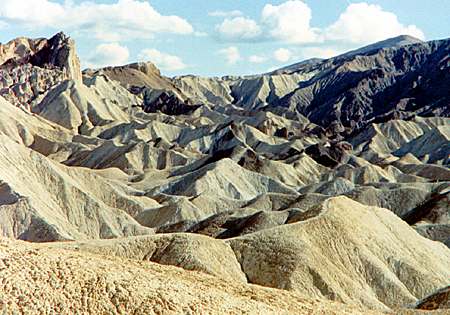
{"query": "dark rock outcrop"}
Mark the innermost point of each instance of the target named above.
(329, 155)
(166, 102)
(59, 51)
(439, 300)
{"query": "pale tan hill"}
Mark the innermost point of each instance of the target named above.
(432, 147)
(347, 252)
(24, 127)
(254, 92)
(46, 201)
(188, 251)
(341, 251)
(139, 75)
(36, 279)
(132, 158)
(76, 106)
(424, 138)
(336, 249)
(379, 139)
(205, 90)
(223, 179)
(248, 92)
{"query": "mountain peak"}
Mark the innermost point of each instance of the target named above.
(397, 41)
(407, 38)
(394, 42)
(146, 67)
(59, 51)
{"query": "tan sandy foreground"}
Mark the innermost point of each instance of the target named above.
(36, 279)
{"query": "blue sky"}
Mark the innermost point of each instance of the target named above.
(220, 37)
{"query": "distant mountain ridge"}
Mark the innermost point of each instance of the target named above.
(397, 82)
(385, 80)
(394, 42)
(388, 79)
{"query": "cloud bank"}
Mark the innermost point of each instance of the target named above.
(231, 54)
(162, 60)
(123, 20)
(290, 23)
(108, 54)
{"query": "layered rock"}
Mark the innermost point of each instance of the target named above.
(135, 76)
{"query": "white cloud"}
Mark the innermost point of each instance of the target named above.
(319, 52)
(238, 28)
(162, 60)
(231, 54)
(124, 19)
(219, 13)
(282, 55)
(257, 59)
(111, 54)
(38, 13)
(365, 23)
(290, 22)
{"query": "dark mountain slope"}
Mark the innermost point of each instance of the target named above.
(385, 84)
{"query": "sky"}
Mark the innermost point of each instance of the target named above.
(221, 37)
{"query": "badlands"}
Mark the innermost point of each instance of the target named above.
(318, 188)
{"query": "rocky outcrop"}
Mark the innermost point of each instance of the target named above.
(439, 300)
(166, 102)
(29, 68)
(20, 49)
(59, 51)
